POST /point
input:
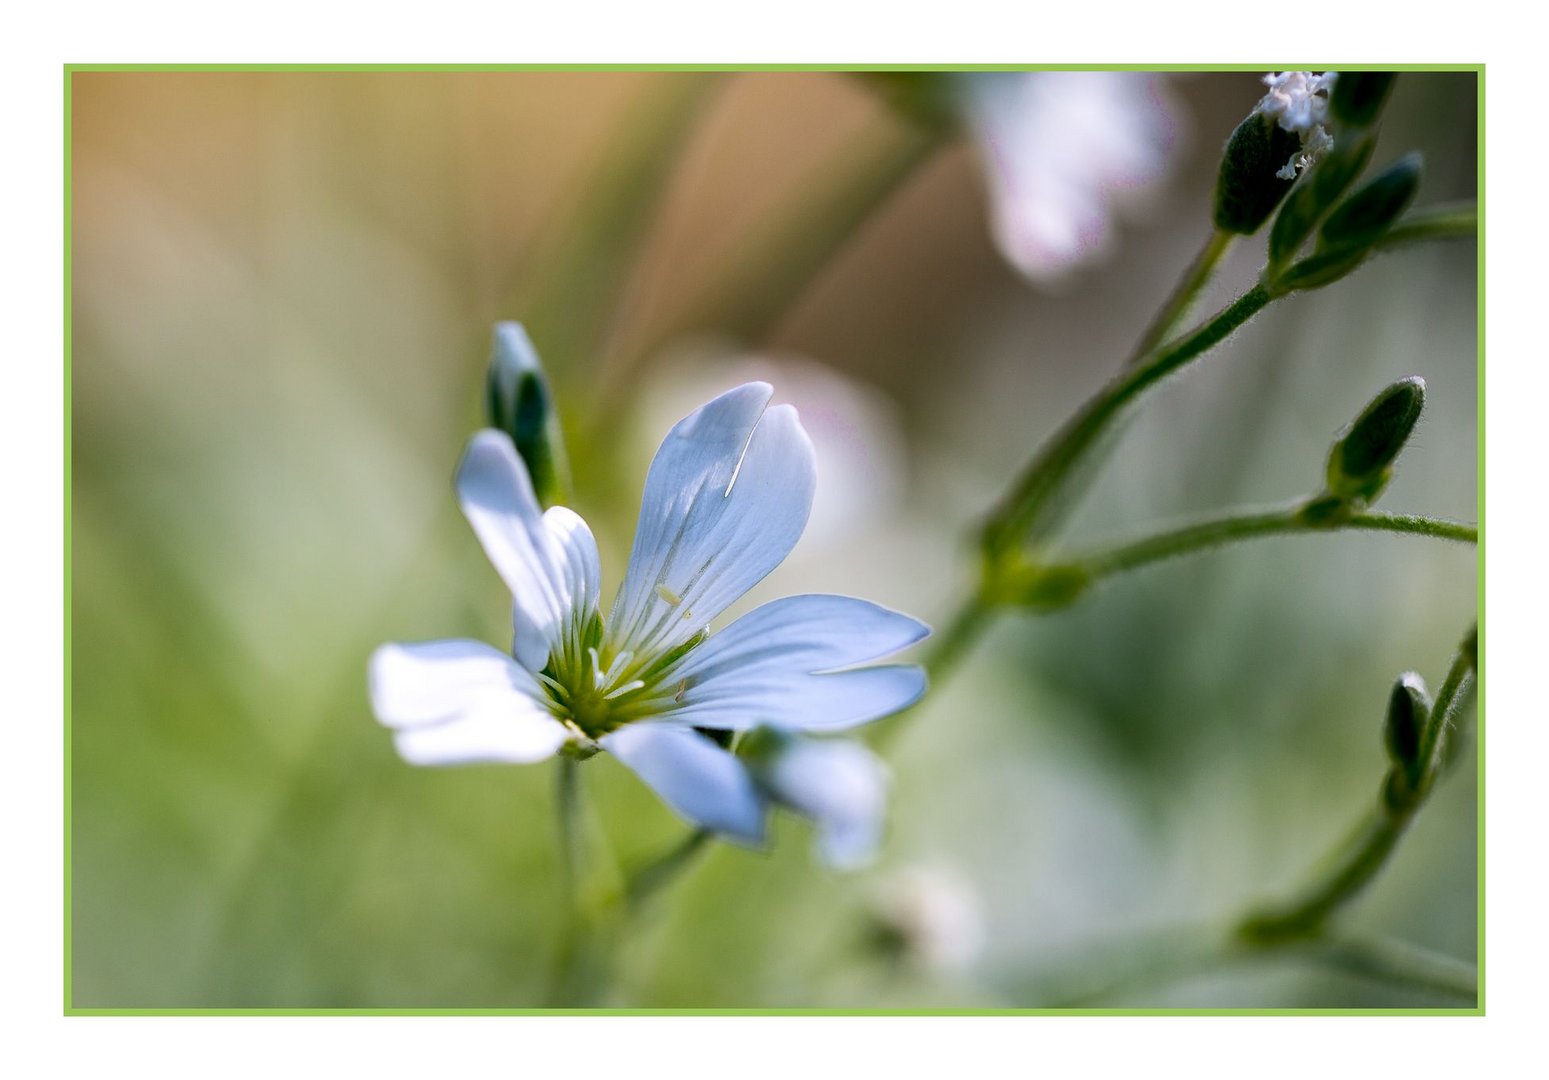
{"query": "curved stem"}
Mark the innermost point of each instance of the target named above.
(1022, 514)
(1358, 862)
(657, 874)
(1240, 525)
(1193, 282)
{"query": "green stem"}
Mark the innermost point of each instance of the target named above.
(1361, 859)
(1446, 222)
(571, 958)
(1240, 525)
(1022, 514)
(1193, 282)
(770, 271)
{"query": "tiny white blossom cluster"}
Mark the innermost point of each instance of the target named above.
(1298, 101)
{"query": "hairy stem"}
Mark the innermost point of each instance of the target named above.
(1446, 222)
(1023, 513)
(1177, 306)
(1239, 525)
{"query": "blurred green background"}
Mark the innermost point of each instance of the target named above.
(283, 289)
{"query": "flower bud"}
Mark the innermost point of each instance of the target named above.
(1249, 187)
(1409, 709)
(1361, 461)
(521, 405)
(1311, 198)
(1359, 222)
(1358, 96)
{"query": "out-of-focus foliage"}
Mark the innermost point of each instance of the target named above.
(284, 288)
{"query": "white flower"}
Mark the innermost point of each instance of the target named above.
(726, 498)
(1298, 102)
(932, 917)
(1062, 151)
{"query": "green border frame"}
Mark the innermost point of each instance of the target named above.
(70, 70)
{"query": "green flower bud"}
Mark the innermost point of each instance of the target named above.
(1359, 222)
(1409, 709)
(1358, 96)
(1248, 188)
(1314, 193)
(521, 405)
(1361, 461)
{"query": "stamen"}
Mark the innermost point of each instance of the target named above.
(634, 684)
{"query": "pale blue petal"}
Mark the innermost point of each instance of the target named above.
(776, 664)
(800, 635)
(694, 776)
(737, 701)
(726, 499)
(497, 498)
(579, 566)
(461, 702)
(841, 787)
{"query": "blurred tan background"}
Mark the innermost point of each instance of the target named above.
(284, 285)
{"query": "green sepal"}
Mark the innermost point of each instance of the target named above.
(1359, 96)
(1317, 270)
(1247, 187)
(1362, 219)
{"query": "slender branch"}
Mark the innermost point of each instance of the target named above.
(1023, 512)
(1179, 956)
(657, 874)
(1236, 526)
(1193, 282)
(1446, 222)
(1361, 859)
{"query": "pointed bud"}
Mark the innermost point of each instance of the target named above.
(1409, 710)
(521, 405)
(1361, 461)
(1358, 96)
(1249, 187)
(1360, 221)
(1316, 191)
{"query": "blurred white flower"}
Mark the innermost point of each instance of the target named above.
(726, 498)
(1298, 102)
(931, 917)
(1063, 153)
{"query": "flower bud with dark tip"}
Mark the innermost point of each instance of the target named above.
(1248, 187)
(521, 405)
(1362, 219)
(1409, 709)
(1358, 96)
(1361, 461)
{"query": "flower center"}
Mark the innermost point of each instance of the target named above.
(597, 686)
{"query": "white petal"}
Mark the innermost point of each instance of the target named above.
(507, 728)
(841, 787)
(497, 498)
(741, 700)
(694, 776)
(578, 562)
(457, 702)
(726, 499)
